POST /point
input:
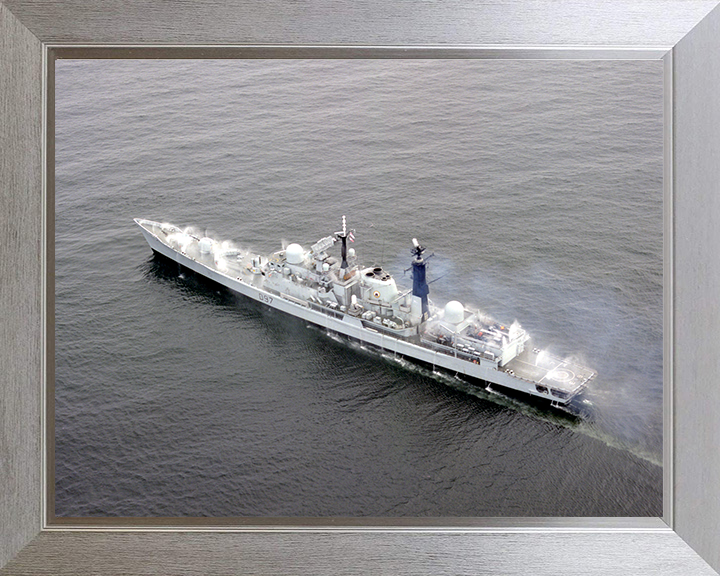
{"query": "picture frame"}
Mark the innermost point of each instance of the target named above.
(685, 541)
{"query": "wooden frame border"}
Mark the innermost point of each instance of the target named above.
(689, 30)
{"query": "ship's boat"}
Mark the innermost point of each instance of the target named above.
(365, 303)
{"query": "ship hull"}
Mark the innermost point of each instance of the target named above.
(352, 327)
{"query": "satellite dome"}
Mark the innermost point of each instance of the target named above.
(454, 312)
(294, 254)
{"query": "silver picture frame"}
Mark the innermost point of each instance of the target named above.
(684, 34)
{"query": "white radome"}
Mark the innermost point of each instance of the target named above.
(294, 254)
(454, 312)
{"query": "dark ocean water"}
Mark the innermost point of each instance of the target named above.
(538, 186)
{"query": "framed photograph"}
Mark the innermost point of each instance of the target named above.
(521, 200)
(611, 246)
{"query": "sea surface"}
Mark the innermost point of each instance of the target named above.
(536, 184)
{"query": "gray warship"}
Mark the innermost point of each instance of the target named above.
(366, 304)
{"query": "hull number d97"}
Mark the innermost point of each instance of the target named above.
(265, 298)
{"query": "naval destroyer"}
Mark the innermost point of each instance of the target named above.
(365, 304)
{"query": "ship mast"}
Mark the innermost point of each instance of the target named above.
(420, 286)
(344, 235)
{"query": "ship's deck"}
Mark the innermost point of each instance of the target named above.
(550, 371)
(232, 266)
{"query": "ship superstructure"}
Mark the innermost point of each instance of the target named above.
(365, 303)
